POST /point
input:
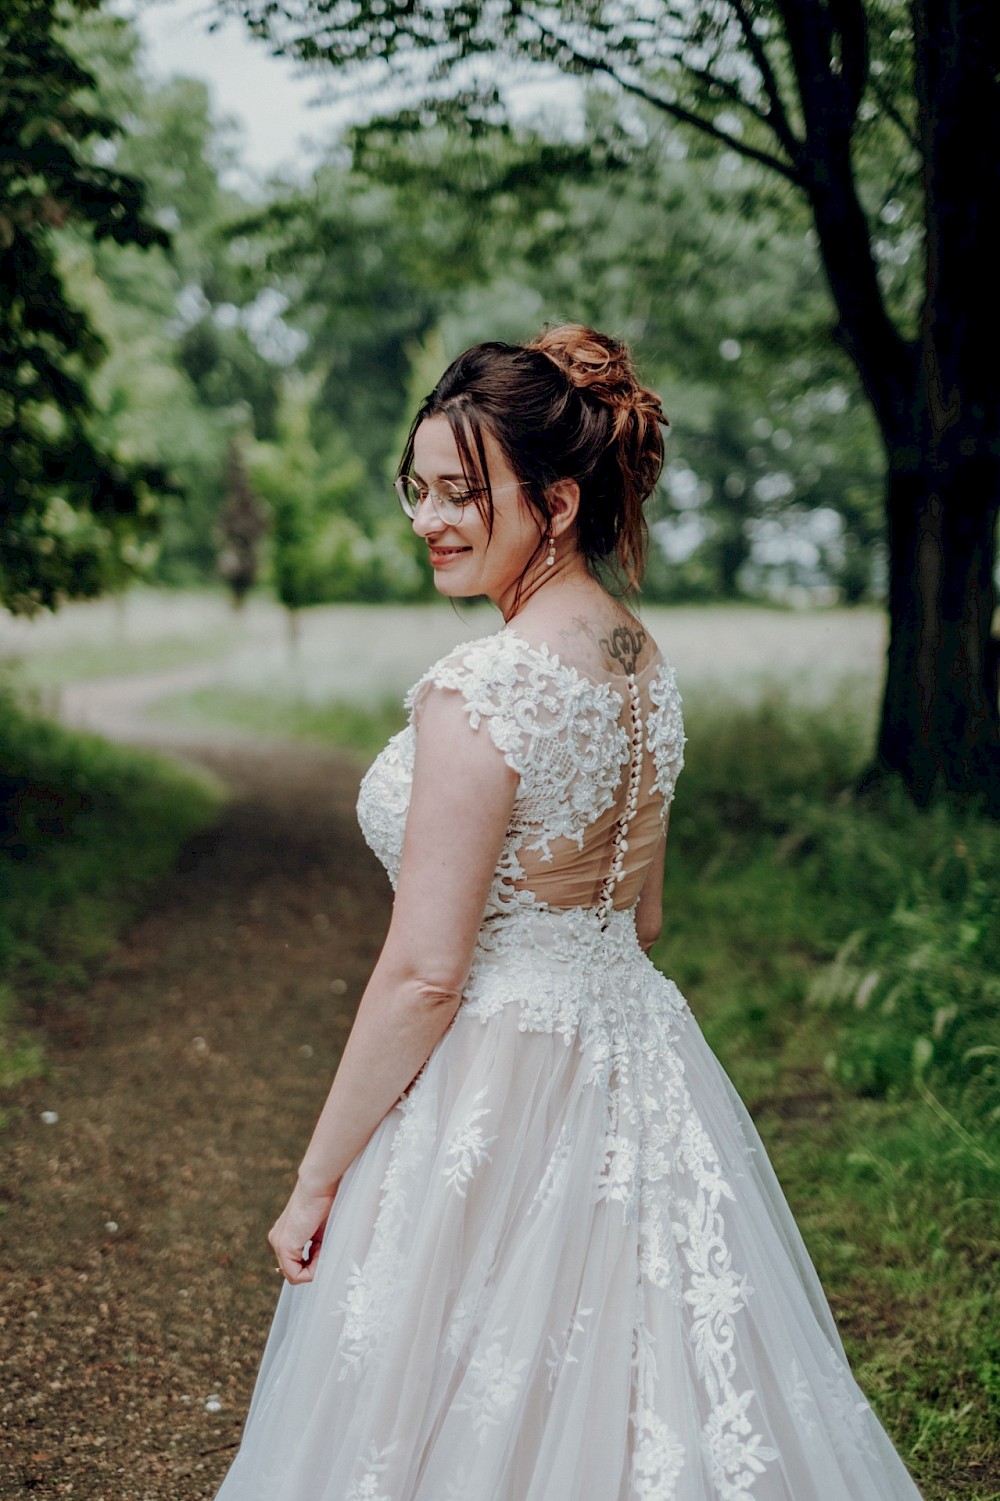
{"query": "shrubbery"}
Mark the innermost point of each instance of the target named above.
(918, 993)
(899, 906)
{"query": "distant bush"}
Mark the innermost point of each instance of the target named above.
(918, 993)
(897, 906)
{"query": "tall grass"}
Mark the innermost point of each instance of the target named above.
(891, 913)
(842, 957)
(85, 828)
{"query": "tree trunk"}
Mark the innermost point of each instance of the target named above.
(940, 728)
(733, 552)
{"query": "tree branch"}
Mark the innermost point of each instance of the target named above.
(729, 91)
(777, 115)
(593, 65)
(883, 358)
(893, 114)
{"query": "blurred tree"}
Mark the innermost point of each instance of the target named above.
(243, 521)
(72, 513)
(373, 252)
(190, 364)
(803, 88)
(319, 549)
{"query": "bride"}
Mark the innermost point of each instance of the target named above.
(535, 1251)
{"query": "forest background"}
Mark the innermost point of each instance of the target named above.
(242, 362)
(322, 310)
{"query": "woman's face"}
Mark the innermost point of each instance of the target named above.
(467, 561)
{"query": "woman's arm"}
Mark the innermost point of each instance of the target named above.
(649, 910)
(460, 806)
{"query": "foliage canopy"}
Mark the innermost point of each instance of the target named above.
(69, 506)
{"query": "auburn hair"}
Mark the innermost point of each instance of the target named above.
(564, 405)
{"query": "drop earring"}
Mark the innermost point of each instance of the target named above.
(550, 560)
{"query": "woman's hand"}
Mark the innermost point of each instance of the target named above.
(297, 1233)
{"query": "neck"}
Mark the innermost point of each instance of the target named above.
(570, 568)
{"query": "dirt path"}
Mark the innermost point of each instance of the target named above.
(137, 1282)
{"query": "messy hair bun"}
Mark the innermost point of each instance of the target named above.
(565, 405)
(601, 367)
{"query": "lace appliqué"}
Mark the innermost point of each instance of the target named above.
(850, 1405)
(384, 800)
(735, 1453)
(556, 728)
(658, 1460)
(367, 1308)
(492, 1383)
(367, 1486)
(665, 738)
(467, 1149)
(555, 1174)
(561, 1350)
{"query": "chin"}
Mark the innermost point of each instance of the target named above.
(449, 586)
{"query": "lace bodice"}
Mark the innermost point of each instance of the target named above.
(566, 1215)
(596, 760)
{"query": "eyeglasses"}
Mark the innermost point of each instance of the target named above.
(448, 500)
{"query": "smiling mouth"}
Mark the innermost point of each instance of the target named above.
(448, 552)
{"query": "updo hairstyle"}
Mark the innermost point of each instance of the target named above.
(566, 405)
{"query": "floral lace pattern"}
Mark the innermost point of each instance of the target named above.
(561, 1350)
(559, 730)
(367, 1486)
(467, 1149)
(665, 738)
(658, 1460)
(491, 1386)
(578, 975)
(367, 1308)
(535, 1274)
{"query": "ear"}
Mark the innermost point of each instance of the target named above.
(564, 504)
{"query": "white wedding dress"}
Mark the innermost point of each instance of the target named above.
(562, 1268)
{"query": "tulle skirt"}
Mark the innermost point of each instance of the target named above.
(562, 1270)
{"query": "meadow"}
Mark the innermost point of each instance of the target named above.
(841, 953)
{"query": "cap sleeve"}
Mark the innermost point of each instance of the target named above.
(492, 677)
(665, 732)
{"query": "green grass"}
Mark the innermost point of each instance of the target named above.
(784, 896)
(350, 726)
(69, 662)
(842, 958)
(85, 828)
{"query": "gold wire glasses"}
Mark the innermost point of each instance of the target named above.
(448, 500)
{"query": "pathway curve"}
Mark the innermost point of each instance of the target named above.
(137, 1282)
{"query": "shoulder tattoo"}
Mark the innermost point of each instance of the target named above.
(624, 645)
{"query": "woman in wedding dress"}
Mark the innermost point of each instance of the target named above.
(535, 1251)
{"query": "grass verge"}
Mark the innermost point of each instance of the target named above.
(351, 726)
(85, 828)
(842, 961)
(841, 957)
(76, 662)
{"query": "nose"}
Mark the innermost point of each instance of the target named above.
(425, 519)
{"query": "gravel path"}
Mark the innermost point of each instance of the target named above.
(138, 1285)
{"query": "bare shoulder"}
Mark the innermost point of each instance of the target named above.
(594, 632)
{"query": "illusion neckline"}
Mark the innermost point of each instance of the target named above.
(609, 679)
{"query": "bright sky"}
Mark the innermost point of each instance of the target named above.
(276, 103)
(272, 100)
